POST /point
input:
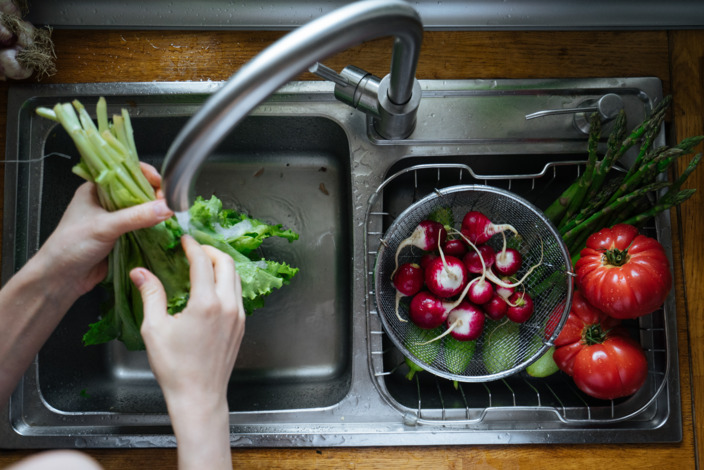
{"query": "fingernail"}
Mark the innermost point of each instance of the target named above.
(137, 277)
(162, 210)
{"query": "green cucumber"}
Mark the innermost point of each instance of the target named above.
(500, 349)
(458, 354)
(426, 353)
(544, 366)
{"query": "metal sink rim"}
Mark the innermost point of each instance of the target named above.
(350, 422)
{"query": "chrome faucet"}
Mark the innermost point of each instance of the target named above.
(392, 101)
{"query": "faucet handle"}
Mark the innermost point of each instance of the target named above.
(353, 86)
(608, 107)
(326, 73)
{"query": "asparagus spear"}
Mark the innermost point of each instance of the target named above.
(568, 203)
(613, 154)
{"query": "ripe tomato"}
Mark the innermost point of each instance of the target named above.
(603, 361)
(623, 273)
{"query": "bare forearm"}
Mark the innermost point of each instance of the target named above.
(32, 304)
(202, 432)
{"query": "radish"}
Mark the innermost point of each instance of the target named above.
(473, 259)
(454, 247)
(496, 308)
(508, 262)
(465, 322)
(427, 311)
(479, 229)
(426, 236)
(481, 291)
(426, 259)
(408, 281)
(520, 307)
(505, 289)
(446, 276)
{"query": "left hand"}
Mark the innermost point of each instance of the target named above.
(77, 250)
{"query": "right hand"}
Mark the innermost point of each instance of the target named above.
(192, 353)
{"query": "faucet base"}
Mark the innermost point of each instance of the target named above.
(396, 121)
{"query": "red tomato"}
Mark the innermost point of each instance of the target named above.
(614, 369)
(622, 273)
(603, 361)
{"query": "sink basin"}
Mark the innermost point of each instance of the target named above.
(326, 375)
(270, 167)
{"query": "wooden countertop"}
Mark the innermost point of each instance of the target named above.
(677, 58)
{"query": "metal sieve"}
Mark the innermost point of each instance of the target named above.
(550, 285)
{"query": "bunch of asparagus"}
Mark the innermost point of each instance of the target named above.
(600, 197)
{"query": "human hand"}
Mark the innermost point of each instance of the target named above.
(211, 326)
(76, 252)
(192, 353)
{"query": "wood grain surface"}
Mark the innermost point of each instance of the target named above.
(676, 57)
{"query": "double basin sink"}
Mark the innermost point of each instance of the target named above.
(316, 368)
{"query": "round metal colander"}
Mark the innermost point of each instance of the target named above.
(504, 348)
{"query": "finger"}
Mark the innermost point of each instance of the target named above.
(227, 285)
(148, 214)
(152, 175)
(201, 269)
(153, 295)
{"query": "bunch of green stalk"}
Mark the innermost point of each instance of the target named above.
(603, 196)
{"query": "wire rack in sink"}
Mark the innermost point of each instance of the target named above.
(429, 399)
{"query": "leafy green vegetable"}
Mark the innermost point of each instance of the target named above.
(109, 159)
(444, 216)
(239, 236)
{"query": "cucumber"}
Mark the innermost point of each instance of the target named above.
(544, 366)
(458, 354)
(426, 353)
(500, 349)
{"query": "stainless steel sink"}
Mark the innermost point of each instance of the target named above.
(316, 368)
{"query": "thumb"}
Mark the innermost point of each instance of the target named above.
(136, 217)
(153, 294)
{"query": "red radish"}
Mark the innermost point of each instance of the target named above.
(508, 262)
(496, 308)
(446, 276)
(481, 291)
(426, 236)
(505, 289)
(520, 307)
(426, 259)
(472, 260)
(454, 247)
(428, 311)
(479, 229)
(465, 322)
(408, 281)
(503, 283)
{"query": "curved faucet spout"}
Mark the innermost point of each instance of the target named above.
(284, 60)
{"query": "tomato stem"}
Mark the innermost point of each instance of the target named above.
(594, 334)
(616, 257)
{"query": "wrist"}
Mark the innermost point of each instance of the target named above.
(56, 283)
(202, 430)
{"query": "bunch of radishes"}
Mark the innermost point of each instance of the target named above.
(24, 49)
(459, 279)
